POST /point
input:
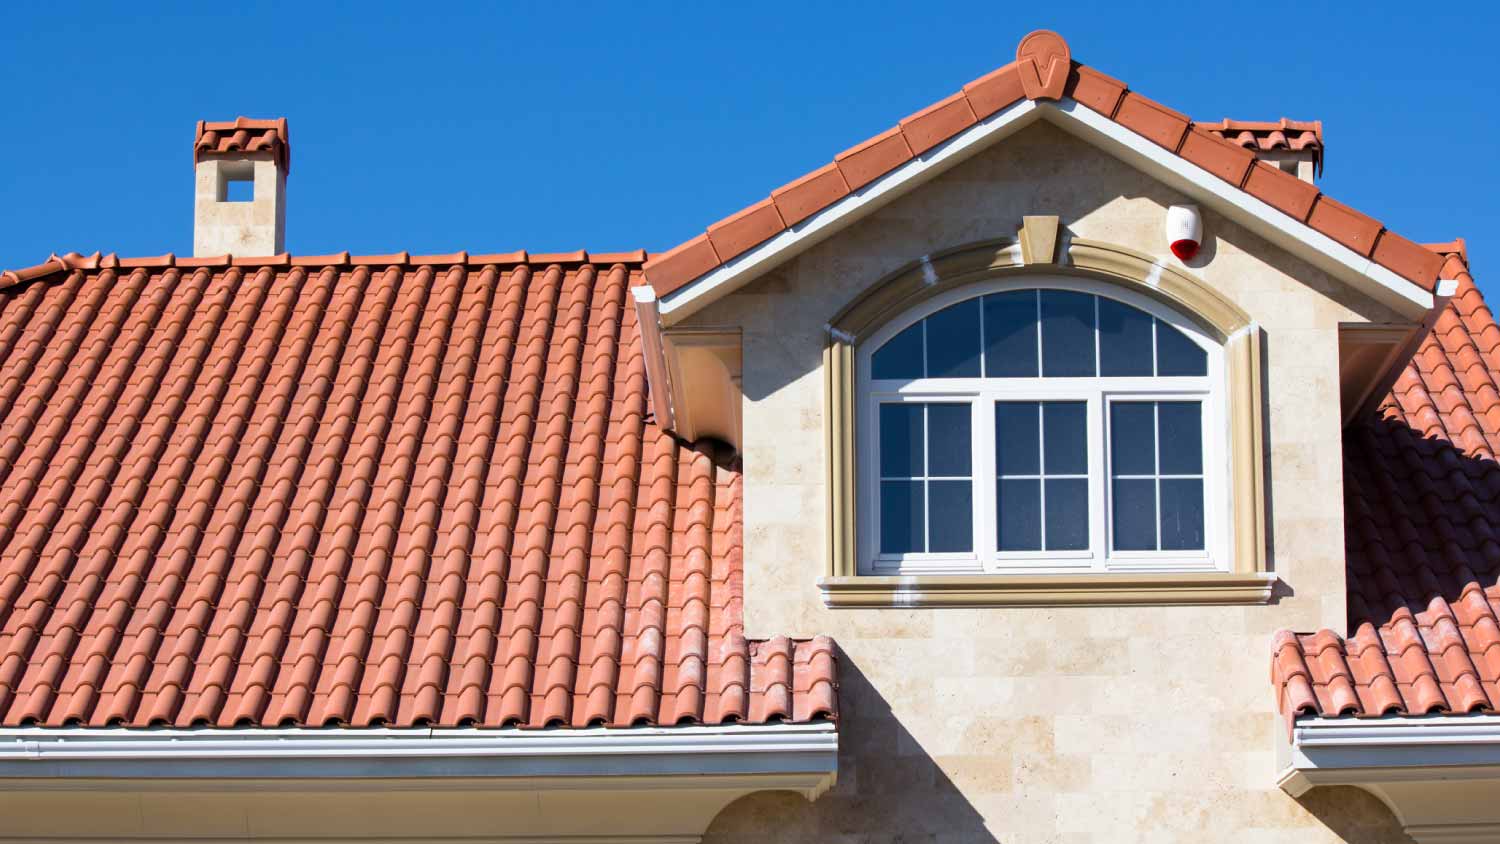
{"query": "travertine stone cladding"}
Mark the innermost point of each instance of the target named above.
(1035, 724)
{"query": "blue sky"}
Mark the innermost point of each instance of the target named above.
(556, 126)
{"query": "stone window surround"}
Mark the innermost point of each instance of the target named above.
(1038, 248)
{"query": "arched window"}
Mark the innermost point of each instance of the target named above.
(1050, 424)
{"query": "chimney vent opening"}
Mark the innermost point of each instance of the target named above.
(239, 190)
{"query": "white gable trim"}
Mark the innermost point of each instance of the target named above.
(739, 271)
(1298, 238)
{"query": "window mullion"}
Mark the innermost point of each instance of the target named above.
(982, 443)
(1098, 480)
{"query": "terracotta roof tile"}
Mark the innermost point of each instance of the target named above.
(1422, 541)
(363, 490)
(1272, 136)
(243, 135)
(1043, 70)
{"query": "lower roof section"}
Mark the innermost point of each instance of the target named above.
(381, 491)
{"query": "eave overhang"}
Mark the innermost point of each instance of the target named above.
(1405, 297)
(1440, 775)
(658, 784)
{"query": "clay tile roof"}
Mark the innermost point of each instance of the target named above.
(1272, 136)
(363, 490)
(1421, 537)
(1044, 70)
(241, 135)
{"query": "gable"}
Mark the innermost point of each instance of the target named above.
(1205, 166)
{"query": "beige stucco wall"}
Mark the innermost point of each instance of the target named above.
(1032, 724)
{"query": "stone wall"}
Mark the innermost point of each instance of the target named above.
(1084, 724)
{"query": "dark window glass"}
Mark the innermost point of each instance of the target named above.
(901, 441)
(1134, 505)
(1067, 514)
(1066, 438)
(901, 527)
(1010, 335)
(1176, 354)
(1017, 438)
(1132, 447)
(1020, 509)
(1067, 334)
(1181, 514)
(953, 341)
(1124, 339)
(951, 505)
(948, 439)
(1181, 439)
(901, 356)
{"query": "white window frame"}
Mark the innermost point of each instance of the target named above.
(1096, 393)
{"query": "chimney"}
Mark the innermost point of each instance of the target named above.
(239, 196)
(1296, 146)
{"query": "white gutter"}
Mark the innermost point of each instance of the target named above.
(805, 753)
(1440, 775)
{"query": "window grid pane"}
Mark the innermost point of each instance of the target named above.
(1161, 509)
(1028, 468)
(926, 494)
(1153, 488)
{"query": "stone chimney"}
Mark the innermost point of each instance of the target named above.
(239, 196)
(1295, 146)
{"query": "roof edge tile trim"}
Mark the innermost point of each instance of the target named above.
(1203, 144)
(74, 261)
(1272, 135)
(1421, 536)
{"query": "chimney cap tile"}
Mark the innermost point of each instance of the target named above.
(227, 138)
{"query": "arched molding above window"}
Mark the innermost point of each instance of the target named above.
(1245, 578)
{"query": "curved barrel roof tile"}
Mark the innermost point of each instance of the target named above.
(386, 490)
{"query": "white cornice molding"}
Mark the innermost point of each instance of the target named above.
(1298, 238)
(1439, 774)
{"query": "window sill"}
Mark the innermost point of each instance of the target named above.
(1004, 590)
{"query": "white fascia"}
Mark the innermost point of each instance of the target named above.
(1296, 237)
(801, 757)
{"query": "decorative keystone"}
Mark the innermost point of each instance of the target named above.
(1038, 240)
(1044, 61)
